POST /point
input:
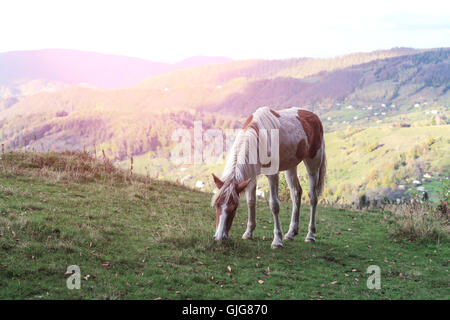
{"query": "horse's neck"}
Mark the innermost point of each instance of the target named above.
(247, 171)
(240, 171)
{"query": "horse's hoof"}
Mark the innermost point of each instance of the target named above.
(310, 240)
(247, 237)
(289, 237)
(276, 246)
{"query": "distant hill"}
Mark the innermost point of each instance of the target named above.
(361, 88)
(400, 80)
(72, 67)
(385, 113)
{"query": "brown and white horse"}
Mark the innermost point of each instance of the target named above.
(300, 138)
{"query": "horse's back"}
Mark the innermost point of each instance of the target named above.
(301, 136)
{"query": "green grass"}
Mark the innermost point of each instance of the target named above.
(142, 239)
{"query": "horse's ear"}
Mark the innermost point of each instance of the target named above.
(217, 181)
(241, 186)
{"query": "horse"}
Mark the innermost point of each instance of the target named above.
(299, 137)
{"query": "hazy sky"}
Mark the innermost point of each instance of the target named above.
(167, 30)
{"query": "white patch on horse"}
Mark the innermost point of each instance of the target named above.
(221, 228)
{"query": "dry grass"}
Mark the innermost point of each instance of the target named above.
(420, 222)
(63, 166)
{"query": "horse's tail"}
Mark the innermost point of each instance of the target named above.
(322, 170)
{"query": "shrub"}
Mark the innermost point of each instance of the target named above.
(419, 222)
(363, 201)
(284, 193)
(442, 206)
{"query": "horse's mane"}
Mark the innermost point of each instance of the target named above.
(224, 194)
(239, 165)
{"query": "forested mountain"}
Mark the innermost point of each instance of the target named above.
(399, 80)
(141, 118)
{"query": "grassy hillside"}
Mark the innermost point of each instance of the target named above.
(137, 238)
(381, 161)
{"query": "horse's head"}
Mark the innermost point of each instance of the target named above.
(226, 202)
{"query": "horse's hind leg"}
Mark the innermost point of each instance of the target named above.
(313, 168)
(296, 197)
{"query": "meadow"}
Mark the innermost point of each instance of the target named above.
(134, 237)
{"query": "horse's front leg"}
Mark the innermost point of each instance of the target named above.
(275, 208)
(251, 203)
